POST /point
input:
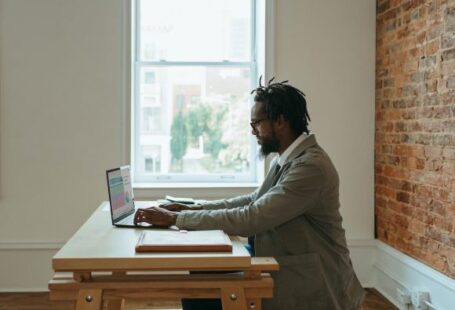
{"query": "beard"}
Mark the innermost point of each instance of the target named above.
(269, 144)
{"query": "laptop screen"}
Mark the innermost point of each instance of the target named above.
(120, 191)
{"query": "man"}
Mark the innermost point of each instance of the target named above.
(294, 215)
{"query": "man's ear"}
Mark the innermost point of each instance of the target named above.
(281, 122)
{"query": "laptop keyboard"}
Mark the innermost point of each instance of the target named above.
(127, 220)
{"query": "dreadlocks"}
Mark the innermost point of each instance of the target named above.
(280, 98)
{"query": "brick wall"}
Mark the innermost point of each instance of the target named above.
(415, 130)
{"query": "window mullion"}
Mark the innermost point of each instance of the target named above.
(194, 63)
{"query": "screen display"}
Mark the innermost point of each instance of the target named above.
(121, 191)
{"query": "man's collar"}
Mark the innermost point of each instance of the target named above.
(285, 157)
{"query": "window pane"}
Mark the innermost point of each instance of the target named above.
(194, 120)
(196, 30)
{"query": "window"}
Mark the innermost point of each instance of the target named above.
(152, 159)
(194, 65)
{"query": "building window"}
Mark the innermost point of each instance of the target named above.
(152, 159)
(149, 78)
(151, 120)
(194, 65)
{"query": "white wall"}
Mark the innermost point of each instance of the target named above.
(327, 48)
(61, 113)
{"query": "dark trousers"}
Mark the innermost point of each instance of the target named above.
(208, 304)
(201, 304)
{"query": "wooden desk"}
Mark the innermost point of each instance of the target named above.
(99, 263)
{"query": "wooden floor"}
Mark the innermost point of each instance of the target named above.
(39, 301)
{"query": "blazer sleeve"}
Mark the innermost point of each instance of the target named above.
(297, 192)
(239, 201)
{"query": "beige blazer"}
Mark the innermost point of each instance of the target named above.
(295, 218)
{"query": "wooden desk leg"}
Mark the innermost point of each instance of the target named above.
(90, 299)
(116, 304)
(254, 304)
(233, 298)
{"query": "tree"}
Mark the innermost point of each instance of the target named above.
(179, 138)
(215, 133)
(197, 121)
(206, 120)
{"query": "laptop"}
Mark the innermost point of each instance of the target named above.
(121, 196)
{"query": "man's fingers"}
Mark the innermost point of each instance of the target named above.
(139, 216)
(136, 216)
(152, 215)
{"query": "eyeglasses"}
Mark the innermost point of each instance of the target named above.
(254, 124)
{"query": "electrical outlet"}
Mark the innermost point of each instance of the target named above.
(419, 299)
(403, 296)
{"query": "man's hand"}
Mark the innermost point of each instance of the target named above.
(177, 207)
(156, 216)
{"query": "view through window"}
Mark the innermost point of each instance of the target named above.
(194, 67)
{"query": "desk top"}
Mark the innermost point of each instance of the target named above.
(99, 246)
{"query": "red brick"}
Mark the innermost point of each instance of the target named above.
(441, 112)
(415, 163)
(379, 179)
(441, 194)
(438, 208)
(434, 165)
(435, 179)
(406, 209)
(402, 150)
(449, 125)
(385, 192)
(393, 114)
(448, 167)
(447, 68)
(432, 152)
(393, 206)
(417, 227)
(416, 151)
(433, 47)
(403, 197)
(395, 172)
(423, 216)
(415, 130)
(431, 126)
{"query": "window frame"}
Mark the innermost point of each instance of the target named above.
(262, 65)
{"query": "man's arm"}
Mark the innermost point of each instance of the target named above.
(166, 215)
(296, 194)
(239, 201)
(235, 202)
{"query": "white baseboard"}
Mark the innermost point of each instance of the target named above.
(24, 290)
(394, 270)
(30, 245)
(377, 265)
(362, 252)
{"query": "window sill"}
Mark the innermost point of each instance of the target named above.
(152, 191)
(141, 186)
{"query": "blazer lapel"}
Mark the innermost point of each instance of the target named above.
(269, 180)
(273, 175)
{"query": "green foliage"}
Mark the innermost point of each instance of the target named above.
(214, 134)
(201, 120)
(198, 120)
(179, 140)
(206, 120)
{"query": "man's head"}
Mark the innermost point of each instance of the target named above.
(279, 116)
